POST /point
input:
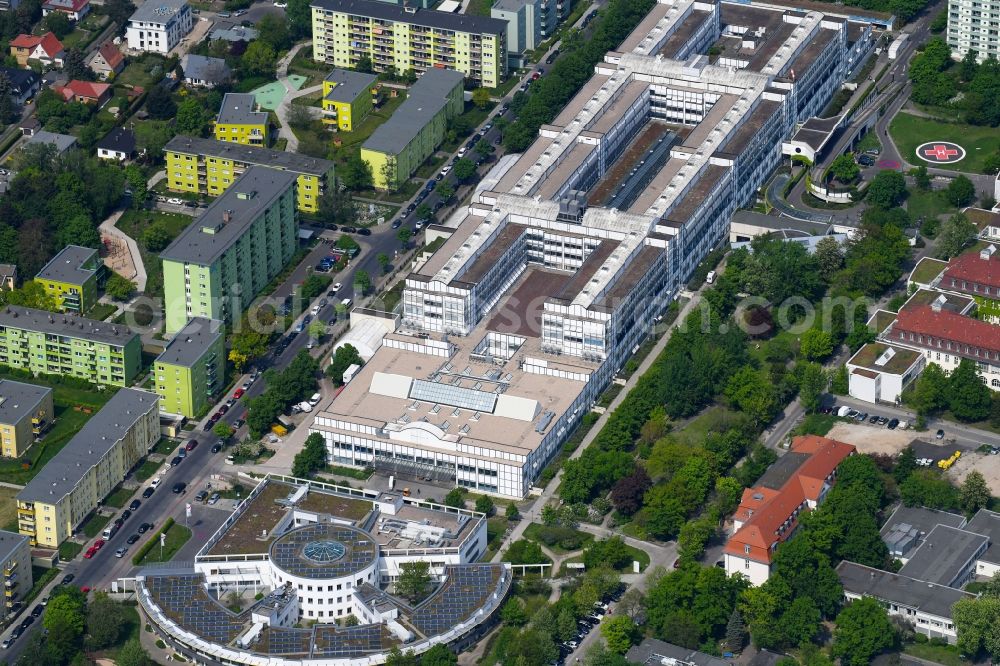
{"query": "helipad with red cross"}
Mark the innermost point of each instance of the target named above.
(940, 152)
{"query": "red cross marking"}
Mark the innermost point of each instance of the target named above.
(940, 152)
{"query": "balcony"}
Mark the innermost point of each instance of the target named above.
(9, 569)
(10, 581)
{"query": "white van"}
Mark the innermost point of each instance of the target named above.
(314, 400)
(305, 407)
(710, 278)
(346, 303)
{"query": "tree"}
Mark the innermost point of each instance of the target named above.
(485, 505)
(136, 180)
(930, 391)
(859, 336)
(223, 430)
(921, 177)
(863, 631)
(816, 344)
(398, 658)
(274, 32)
(812, 381)
(404, 235)
(119, 288)
(247, 345)
(925, 487)
(628, 491)
(160, 104)
(356, 174)
(444, 190)
(887, 189)
(736, 632)
(511, 512)
(619, 632)
(844, 168)
(192, 117)
(119, 11)
(364, 64)
(105, 622)
(455, 497)
(465, 169)
(968, 398)
(978, 624)
(156, 236)
(439, 655)
(960, 191)
(337, 207)
(414, 580)
(512, 614)
(345, 356)
(957, 233)
(481, 97)
(299, 17)
(132, 654)
(752, 394)
(58, 23)
(65, 620)
(830, 256)
(75, 64)
(259, 59)
(312, 458)
(974, 493)
(362, 281)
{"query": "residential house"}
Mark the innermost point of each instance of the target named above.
(106, 61)
(8, 277)
(347, 98)
(118, 145)
(231, 32)
(72, 278)
(62, 142)
(29, 126)
(654, 652)
(204, 72)
(74, 9)
(768, 512)
(240, 120)
(879, 372)
(24, 84)
(46, 49)
(157, 27)
(85, 92)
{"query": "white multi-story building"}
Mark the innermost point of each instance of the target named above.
(159, 26)
(317, 555)
(974, 25)
(557, 270)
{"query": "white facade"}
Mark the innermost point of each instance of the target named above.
(157, 27)
(879, 372)
(973, 26)
(755, 572)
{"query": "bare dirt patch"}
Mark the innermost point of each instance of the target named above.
(870, 439)
(985, 464)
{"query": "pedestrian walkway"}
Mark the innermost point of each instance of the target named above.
(123, 255)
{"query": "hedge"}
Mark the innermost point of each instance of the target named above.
(146, 547)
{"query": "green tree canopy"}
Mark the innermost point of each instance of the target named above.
(863, 631)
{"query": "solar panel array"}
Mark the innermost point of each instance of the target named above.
(332, 641)
(454, 396)
(185, 600)
(465, 590)
(359, 551)
(280, 640)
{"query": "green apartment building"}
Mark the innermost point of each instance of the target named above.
(192, 368)
(407, 37)
(398, 146)
(60, 344)
(226, 257)
(73, 278)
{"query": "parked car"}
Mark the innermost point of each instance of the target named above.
(176, 460)
(148, 492)
(214, 499)
(132, 538)
(90, 553)
(892, 424)
(134, 505)
(191, 445)
(238, 393)
(939, 434)
(216, 448)
(145, 527)
(67, 579)
(120, 553)
(37, 610)
(126, 514)
(179, 488)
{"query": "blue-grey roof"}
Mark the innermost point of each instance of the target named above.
(204, 68)
(43, 321)
(238, 152)
(98, 435)
(899, 589)
(9, 542)
(191, 342)
(119, 140)
(426, 98)
(430, 18)
(158, 11)
(18, 400)
(230, 216)
(62, 142)
(69, 265)
(945, 555)
(349, 84)
(232, 33)
(240, 109)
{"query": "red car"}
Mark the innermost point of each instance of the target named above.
(99, 544)
(90, 553)
(191, 445)
(238, 393)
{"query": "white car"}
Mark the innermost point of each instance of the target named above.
(315, 310)
(281, 5)
(155, 482)
(462, 151)
(175, 201)
(444, 171)
(336, 287)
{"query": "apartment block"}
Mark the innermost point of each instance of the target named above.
(229, 254)
(974, 25)
(240, 120)
(157, 27)
(191, 370)
(347, 98)
(407, 37)
(72, 278)
(88, 468)
(206, 166)
(48, 342)
(15, 558)
(397, 147)
(529, 23)
(26, 411)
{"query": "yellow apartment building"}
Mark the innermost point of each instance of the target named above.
(26, 411)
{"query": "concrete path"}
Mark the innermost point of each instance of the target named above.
(155, 178)
(108, 228)
(285, 131)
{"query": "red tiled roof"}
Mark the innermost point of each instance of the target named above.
(77, 88)
(51, 44)
(111, 55)
(764, 511)
(25, 41)
(67, 5)
(947, 325)
(971, 268)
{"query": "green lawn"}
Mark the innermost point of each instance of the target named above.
(40, 577)
(909, 131)
(479, 8)
(68, 550)
(534, 532)
(8, 509)
(119, 498)
(940, 654)
(94, 525)
(147, 470)
(134, 222)
(165, 446)
(816, 424)
(928, 205)
(138, 71)
(101, 311)
(713, 419)
(927, 269)
(177, 536)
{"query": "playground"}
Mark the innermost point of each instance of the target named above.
(271, 95)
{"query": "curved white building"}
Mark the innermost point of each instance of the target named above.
(321, 554)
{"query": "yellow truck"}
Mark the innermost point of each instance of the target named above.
(279, 429)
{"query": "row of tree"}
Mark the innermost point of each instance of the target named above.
(294, 383)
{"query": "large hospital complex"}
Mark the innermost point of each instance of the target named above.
(549, 279)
